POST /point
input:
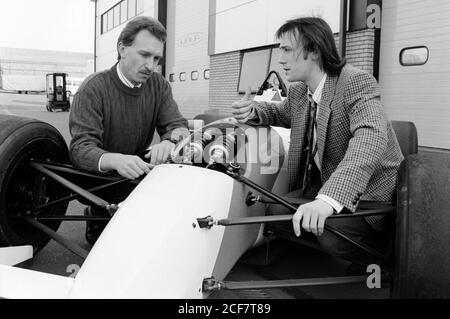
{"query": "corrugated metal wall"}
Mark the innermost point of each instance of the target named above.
(187, 52)
(421, 93)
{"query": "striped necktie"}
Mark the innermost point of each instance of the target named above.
(311, 147)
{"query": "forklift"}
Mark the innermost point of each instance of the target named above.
(57, 95)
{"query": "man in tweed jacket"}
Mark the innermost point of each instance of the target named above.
(357, 155)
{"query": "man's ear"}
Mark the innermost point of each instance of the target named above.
(121, 50)
(313, 56)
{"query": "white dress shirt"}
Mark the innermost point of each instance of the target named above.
(125, 80)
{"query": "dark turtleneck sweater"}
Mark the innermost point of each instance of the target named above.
(108, 116)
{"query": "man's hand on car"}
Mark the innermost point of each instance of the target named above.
(159, 153)
(128, 166)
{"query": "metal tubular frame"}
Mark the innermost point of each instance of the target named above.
(45, 168)
(73, 187)
(363, 204)
(282, 218)
(233, 172)
(70, 169)
(211, 284)
(76, 196)
(75, 218)
(77, 250)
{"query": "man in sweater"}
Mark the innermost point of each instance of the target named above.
(115, 113)
(343, 148)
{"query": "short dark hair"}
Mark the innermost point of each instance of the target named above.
(139, 23)
(315, 36)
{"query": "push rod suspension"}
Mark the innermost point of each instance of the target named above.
(77, 250)
(71, 170)
(76, 196)
(73, 218)
(364, 204)
(77, 189)
(282, 218)
(211, 284)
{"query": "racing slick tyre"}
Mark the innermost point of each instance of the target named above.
(422, 259)
(23, 188)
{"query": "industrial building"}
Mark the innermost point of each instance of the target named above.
(215, 48)
(25, 69)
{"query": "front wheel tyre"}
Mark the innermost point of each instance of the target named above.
(22, 188)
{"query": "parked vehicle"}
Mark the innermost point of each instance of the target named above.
(73, 84)
(57, 93)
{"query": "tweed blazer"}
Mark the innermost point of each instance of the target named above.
(357, 147)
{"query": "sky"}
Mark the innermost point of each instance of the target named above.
(60, 25)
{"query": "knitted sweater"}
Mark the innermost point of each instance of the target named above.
(108, 116)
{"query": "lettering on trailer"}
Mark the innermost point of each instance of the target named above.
(373, 19)
(190, 39)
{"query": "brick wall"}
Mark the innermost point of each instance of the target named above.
(223, 83)
(225, 69)
(359, 51)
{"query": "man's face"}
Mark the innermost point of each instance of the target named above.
(292, 59)
(141, 58)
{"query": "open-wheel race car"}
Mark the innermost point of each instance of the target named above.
(185, 224)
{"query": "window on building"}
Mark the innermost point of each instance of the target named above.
(104, 23)
(276, 66)
(139, 6)
(120, 13)
(254, 69)
(194, 75)
(183, 76)
(110, 20)
(131, 8)
(414, 56)
(206, 74)
(123, 11)
(116, 11)
(172, 77)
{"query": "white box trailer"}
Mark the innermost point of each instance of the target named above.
(415, 67)
(23, 83)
